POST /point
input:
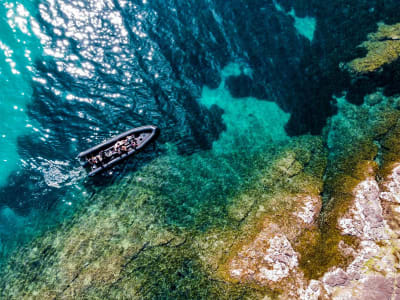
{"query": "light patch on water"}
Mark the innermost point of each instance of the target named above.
(57, 173)
(84, 23)
(248, 120)
(236, 69)
(17, 17)
(8, 53)
(305, 26)
(278, 7)
(53, 173)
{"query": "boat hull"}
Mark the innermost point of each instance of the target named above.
(141, 135)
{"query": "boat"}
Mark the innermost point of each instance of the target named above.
(115, 150)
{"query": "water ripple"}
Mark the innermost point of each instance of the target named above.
(101, 73)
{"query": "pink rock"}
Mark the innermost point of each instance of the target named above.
(397, 289)
(372, 193)
(372, 216)
(378, 288)
(339, 277)
(355, 275)
(283, 258)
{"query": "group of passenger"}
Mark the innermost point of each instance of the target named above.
(120, 147)
(124, 145)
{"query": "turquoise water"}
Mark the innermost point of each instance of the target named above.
(251, 120)
(19, 47)
(304, 25)
(249, 98)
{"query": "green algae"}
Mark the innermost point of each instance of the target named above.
(127, 245)
(180, 276)
(136, 238)
(297, 171)
(383, 48)
(348, 165)
(93, 251)
(180, 219)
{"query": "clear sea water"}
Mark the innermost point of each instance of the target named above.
(19, 46)
(74, 73)
(219, 78)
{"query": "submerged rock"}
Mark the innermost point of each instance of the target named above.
(123, 246)
(260, 215)
(371, 274)
(270, 238)
(365, 217)
(268, 258)
(383, 48)
(355, 240)
(271, 260)
(392, 186)
(286, 220)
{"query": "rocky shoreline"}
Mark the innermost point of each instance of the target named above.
(373, 273)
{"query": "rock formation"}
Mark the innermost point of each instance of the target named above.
(383, 48)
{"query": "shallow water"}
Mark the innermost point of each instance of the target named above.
(228, 83)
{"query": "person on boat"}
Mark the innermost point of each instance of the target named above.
(94, 161)
(117, 146)
(102, 155)
(109, 153)
(124, 149)
(133, 144)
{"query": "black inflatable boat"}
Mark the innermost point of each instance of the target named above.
(117, 149)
